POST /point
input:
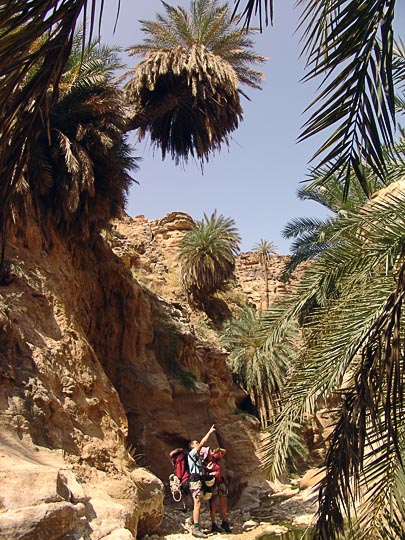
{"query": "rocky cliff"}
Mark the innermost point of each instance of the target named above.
(97, 346)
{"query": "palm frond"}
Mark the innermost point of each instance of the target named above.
(298, 226)
(261, 8)
(355, 44)
(398, 64)
(313, 236)
(356, 270)
(364, 461)
(259, 369)
(87, 155)
(207, 254)
(382, 512)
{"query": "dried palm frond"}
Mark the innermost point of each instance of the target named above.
(188, 100)
(186, 90)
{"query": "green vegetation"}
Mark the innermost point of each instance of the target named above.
(265, 248)
(10, 271)
(207, 255)
(258, 370)
(352, 339)
(168, 348)
(78, 169)
(313, 236)
(35, 91)
(349, 306)
(187, 377)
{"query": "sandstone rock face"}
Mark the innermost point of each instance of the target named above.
(64, 465)
(311, 478)
(150, 249)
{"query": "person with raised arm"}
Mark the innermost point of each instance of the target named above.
(196, 472)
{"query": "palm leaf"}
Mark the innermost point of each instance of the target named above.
(358, 103)
(365, 248)
(262, 8)
(207, 255)
(85, 149)
(257, 368)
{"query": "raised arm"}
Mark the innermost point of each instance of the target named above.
(205, 438)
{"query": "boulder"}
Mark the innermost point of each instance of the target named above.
(311, 478)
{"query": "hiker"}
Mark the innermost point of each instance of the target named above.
(220, 490)
(179, 479)
(196, 472)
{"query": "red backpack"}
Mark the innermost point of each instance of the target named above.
(179, 461)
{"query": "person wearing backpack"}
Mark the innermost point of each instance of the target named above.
(196, 472)
(179, 479)
(220, 491)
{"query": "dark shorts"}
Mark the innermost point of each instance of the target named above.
(220, 490)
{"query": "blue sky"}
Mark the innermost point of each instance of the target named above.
(255, 180)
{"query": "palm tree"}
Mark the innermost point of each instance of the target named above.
(259, 370)
(78, 171)
(349, 43)
(365, 93)
(24, 100)
(353, 348)
(265, 248)
(207, 254)
(186, 91)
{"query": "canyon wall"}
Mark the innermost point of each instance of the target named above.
(96, 349)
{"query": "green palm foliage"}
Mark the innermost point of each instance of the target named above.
(79, 170)
(312, 235)
(349, 44)
(207, 255)
(25, 106)
(259, 369)
(186, 90)
(353, 348)
(265, 248)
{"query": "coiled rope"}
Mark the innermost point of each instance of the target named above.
(175, 489)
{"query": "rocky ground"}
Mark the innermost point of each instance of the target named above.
(280, 508)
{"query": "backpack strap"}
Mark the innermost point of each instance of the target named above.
(201, 466)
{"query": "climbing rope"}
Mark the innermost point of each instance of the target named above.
(174, 484)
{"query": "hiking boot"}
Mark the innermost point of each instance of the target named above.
(216, 528)
(196, 531)
(225, 527)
